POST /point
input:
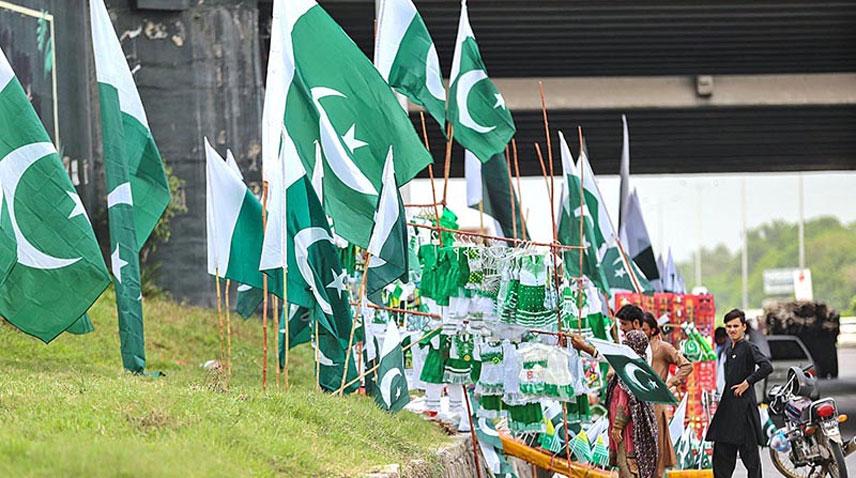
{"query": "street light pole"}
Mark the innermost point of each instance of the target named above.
(744, 256)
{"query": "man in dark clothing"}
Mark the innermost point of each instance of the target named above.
(736, 426)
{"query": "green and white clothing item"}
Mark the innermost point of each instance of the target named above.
(545, 372)
(526, 418)
(458, 368)
(492, 368)
(51, 268)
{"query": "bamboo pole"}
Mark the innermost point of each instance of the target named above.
(547, 462)
(228, 332)
(582, 239)
(220, 317)
(447, 165)
(264, 295)
(549, 190)
(473, 436)
(430, 166)
(318, 359)
(360, 294)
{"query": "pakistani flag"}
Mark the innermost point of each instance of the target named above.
(51, 269)
(137, 187)
(340, 111)
(489, 184)
(569, 226)
(634, 235)
(388, 244)
(635, 373)
(234, 225)
(392, 393)
(406, 57)
(482, 123)
(248, 300)
(620, 272)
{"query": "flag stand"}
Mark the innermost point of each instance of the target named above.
(264, 295)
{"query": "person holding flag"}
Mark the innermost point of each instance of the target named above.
(632, 425)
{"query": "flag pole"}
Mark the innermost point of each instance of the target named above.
(264, 295)
(318, 359)
(360, 294)
(549, 189)
(447, 165)
(228, 333)
(582, 239)
(430, 166)
(519, 190)
(473, 436)
(511, 193)
(549, 143)
(220, 316)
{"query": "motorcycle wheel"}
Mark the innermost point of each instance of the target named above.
(783, 464)
(836, 468)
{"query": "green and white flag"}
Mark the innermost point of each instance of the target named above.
(482, 122)
(234, 226)
(248, 300)
(388, 244)
(489, 184)
(392, 392)
(569, 225)
(406, 57)
(51, 268)
(642, 381)
(138, 192)
(616, 267)
(340, 111)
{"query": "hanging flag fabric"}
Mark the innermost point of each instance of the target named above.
(316, 279)
(676, 426)
(137, 188)
(234, 225)
(392, 393)
(642, 381)
(569, 226)
(51, 268)
(671, 282)
(489, 184)
(388, 244)
(482, 122)
(406, 57)
(634, 236)
(340, 111)
(620, 273)
(248, 300)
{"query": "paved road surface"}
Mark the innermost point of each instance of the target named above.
(843, 390)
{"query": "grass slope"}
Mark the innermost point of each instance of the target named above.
(67, 409)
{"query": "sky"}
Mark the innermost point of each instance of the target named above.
(683, 211)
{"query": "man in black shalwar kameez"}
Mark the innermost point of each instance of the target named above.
(736, 425)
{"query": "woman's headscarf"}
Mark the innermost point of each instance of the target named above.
(641, 413)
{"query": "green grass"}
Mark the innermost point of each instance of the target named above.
(68, 409)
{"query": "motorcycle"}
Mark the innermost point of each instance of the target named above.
(810, 444)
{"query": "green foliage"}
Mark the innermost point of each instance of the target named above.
(68, 409)
(830, 254)
(161, 234)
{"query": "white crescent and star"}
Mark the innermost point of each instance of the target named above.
(631, 369)
(338, 282)
(466, 82)
(338, 158)
(117, 263)
(302, 240)
(386, 386)
(12, 169)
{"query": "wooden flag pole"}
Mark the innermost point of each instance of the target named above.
(220, 317)
(430, 166)
(318, 359)
(228, 333)
(549, 190)
(549, 140)
(473, 436)
(582, 239)
(264, 295)
(360, 294)
(447, 165)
